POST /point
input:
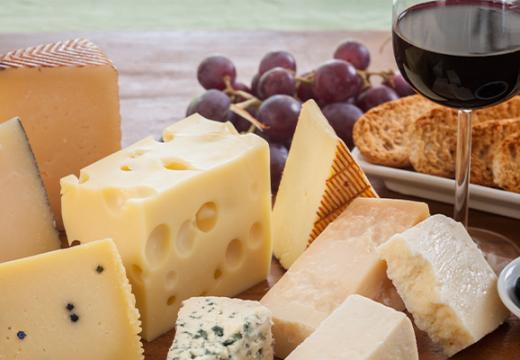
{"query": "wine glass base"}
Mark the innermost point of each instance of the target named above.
(498, 249)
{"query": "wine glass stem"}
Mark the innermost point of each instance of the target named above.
(463, 167)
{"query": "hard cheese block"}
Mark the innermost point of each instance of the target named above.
(342, 261)
(68, 304)
(319, 180)
(66, 94)
(190, 216)
(361, 329)
(222, 328)
(25, 216)
(445, 282)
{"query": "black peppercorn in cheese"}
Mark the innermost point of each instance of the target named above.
(215, 328)
(57, 306)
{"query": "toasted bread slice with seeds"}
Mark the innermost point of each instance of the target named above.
(381, 134)
(506, 163)
(433, 136)
(487, 137)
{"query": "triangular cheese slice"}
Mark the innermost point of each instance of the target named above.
(319, 180)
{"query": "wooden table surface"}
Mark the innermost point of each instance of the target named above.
(158, 79)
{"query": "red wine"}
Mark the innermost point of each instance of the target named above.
(460, 53)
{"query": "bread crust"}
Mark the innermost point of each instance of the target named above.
(506, 163)
(381, 134)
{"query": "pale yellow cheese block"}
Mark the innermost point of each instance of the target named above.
(445, 282)
(190, 216)
(68, 304)
(341, 261)
(66, 95)
(360, 329)
(26, 221)
(319, 180)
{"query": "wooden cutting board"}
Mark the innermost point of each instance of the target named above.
(158, 79)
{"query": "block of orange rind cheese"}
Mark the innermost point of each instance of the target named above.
(66, 95)
(73, 303)
(191, 216)
(341, 261)
(26, 219)
(320, 179)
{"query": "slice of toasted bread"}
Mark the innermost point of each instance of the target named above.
(487, 137)
(506, 163)
(433, 136)
(381, 134)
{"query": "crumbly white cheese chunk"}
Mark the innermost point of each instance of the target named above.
(219, 328)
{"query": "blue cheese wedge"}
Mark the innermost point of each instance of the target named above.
(219, 328)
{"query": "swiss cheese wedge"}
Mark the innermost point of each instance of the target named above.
(190, 215)
(320, 179)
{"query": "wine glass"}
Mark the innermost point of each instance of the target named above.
(464, 54)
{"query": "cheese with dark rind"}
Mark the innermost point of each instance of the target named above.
(26, 219)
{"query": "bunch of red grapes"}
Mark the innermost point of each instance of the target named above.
(270, 106)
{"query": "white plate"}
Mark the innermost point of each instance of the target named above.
(441, 189)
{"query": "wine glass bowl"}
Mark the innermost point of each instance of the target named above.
(464, 54)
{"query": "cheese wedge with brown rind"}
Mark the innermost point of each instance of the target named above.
(319, 181)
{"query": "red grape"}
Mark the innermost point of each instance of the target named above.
(400, 85)
(355, 53)
(342, 117)
(254, 84)
(274, 59)
(375, 96)
(278, 154)
(277, 81)
(335, 81)
(280, 113)
(213, 71)
(213, 105)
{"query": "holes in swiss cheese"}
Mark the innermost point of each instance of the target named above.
(137, 153)
(256, 235)
(126, 167)
(158, 245)
(83, 178)
(114, 198)
(185, 238)
(175, 165)
(171, 300)
(206, 216)
(234, 253)
(217, 274)
(167, 137)
(136, 272)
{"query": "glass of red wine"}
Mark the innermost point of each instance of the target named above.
(464, 54)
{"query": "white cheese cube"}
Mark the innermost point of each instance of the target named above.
(445, 282)
(222, 328)
(360, 329)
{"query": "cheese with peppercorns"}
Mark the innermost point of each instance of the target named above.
(73, 303)
(221, 328)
